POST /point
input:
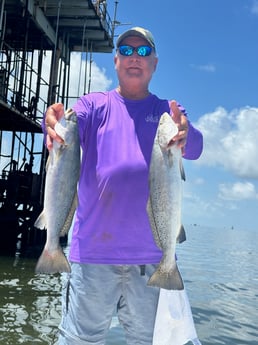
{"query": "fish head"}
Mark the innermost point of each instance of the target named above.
(167, 129)
(66, 127)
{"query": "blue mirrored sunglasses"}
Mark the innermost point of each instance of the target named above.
(129, 50)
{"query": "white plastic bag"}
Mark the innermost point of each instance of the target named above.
(174, 323)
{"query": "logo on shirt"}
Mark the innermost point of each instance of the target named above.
(152, 118)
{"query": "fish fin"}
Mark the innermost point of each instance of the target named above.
(181, 237)
(40, 222)
(182, 170)
(166, 279)
(52, 262)
(69, 219)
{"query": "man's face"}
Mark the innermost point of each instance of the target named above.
(135, 69)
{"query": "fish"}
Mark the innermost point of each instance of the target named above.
(166, 174)
(60, 194)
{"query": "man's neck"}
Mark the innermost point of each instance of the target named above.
(133, 94)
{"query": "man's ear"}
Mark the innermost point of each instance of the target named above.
(115, 60)
(155, 64)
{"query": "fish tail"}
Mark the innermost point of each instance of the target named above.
(52, 262)
(167, 279)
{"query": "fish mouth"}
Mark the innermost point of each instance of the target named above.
(171, 143)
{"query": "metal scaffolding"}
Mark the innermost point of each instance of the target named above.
(37, 38)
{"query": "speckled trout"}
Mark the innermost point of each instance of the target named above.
(164, 205)
(60, 198)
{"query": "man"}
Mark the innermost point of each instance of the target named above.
(112, 239)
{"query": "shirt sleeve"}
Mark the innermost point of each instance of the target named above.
(194, 142)
(44, 130)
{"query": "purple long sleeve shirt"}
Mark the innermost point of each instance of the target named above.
(116, 135)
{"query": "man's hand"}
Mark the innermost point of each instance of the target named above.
(53, 115)
(182, 123)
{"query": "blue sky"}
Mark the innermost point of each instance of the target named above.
(208, 61)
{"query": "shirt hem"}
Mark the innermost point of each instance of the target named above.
(116, 262)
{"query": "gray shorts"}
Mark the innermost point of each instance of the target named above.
(92, 294)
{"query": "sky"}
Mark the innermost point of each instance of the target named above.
(208, 62)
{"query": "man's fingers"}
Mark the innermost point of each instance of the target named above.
(56, 110)
(49, 142)
(53, 114)
(176, 113)
(182, 123)
(53, 136)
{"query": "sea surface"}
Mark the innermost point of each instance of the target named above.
(219, 267)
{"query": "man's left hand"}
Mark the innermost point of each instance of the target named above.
(182, 123)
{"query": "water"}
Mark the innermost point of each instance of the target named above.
(220, 270)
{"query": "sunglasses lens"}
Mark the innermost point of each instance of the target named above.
(126, 50)
(141, 51)
(144, 50)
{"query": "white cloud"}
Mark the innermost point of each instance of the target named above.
(96, 80)
(206, 68)
(238, 191)
(199, 181)
(231, 140)
(254, 7)
(196, 208)
(84, 76)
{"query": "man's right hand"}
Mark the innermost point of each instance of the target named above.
(53, 114)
